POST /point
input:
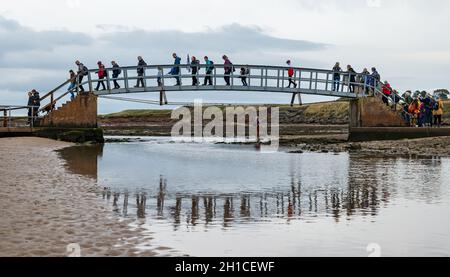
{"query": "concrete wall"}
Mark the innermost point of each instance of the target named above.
(372, 112)
(395, 133)
(79, 113)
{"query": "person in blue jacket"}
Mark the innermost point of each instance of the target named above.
(175, 71)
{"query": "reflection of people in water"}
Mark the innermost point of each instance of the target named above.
(194, 213)
(228, 211)
(208, 203)
(245, 206)
(176, 213)
(141, 200)
(161, 196)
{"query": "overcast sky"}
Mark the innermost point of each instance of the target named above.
(406, 39)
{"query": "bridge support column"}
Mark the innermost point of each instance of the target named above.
(5, 118)
(162, 98)
(299, 98)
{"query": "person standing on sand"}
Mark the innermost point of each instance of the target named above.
(209, 70)
(30, 106)
(36, 102)
(116, 73)
(291, 73)
(140, 72)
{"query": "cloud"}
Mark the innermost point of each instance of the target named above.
(41, 59)
(44, 65)
(16, 38)
(227, 39)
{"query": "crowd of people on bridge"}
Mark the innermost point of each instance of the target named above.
(356, 83)
(423, 110)
(420, 111)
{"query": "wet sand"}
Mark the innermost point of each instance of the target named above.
(44, 208)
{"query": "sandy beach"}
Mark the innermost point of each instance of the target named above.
(45, 208)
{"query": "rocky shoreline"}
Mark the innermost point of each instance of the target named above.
(424, 147)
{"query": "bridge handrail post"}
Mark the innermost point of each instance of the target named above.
(232, 75)
(51, 101)
(282, 79)
(266, 77)
(310, 79)
(108, 80)
(316, 81)
(126, 80)
(9, 118)
(215, 77)
(262, 77)
(5, 118)
(32, 118)
(365, 86)
(278, 78)
(90, 82)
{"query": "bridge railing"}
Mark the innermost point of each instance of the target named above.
(55, 95)
(12, 116)
(258, 78)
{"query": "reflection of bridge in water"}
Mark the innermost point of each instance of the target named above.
(369, 184)
(247, 207)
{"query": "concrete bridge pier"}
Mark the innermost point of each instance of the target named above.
(299, 98)
(163, 98)
(74, 121)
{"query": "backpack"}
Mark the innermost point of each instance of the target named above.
(436, 106)
(211, 66)
(85, 71)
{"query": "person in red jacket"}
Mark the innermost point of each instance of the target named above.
(101, 75)
(291, 73)
(387, 91)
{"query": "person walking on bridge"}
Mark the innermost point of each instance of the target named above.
(291, 73)
(140, 72)
(73, 84)
(351, 78)
(209, 70)
(336, 76)
(115, 74)
(375, 80)
(387, 91)
(194, 70)
(365, 80)
(82, 71)
(228, 67)
(175, 71)
(245, 72)
(101, 73)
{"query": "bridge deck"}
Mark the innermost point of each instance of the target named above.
(157, 78)
(226, 88)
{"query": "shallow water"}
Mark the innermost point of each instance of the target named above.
(224, 200)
